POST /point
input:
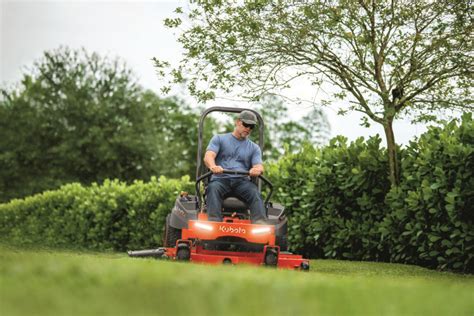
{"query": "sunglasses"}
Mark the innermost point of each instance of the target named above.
(251, 126)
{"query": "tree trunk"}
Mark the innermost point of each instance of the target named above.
(392, 153)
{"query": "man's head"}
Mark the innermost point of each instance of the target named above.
(245, 124)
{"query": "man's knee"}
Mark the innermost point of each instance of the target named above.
(251, 192)
(214, 187)
(252, 188)
(254, 194)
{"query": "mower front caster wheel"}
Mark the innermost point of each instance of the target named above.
(183, 253)
(304, 266)
(271, 257)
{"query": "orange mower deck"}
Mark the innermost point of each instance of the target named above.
(191, 246)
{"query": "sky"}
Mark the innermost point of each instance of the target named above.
(134, 32)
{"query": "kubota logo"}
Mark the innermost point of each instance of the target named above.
(232, 230)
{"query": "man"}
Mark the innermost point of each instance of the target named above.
(234, 151)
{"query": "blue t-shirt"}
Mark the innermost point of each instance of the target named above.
(234, 154)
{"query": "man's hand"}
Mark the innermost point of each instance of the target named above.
(255, 171)
(217, 169)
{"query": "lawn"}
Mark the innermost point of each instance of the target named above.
(45, 282)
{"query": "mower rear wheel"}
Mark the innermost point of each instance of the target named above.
(172, 235)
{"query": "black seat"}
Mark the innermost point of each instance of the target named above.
(233, 204)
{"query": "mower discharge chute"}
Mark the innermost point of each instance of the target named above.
(189, 236)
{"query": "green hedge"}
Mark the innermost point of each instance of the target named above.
(333, 197)
(340, 204)
(431, 219)
(111, 216)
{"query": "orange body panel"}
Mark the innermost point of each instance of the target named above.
(230, 227)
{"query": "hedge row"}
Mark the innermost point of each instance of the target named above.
(111, 216)
(340, 204)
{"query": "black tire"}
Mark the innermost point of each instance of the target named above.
(183, 253)
(282, 241)
(271, 258)
(304, 266)
(172, 235)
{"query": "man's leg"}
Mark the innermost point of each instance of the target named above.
(248, 191)
(216, 190)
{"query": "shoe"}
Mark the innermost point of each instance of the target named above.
(261, 222)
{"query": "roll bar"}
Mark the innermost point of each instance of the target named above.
(261, 126)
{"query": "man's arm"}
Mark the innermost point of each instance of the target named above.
(210, 161)
(256, 170)
(257, 163)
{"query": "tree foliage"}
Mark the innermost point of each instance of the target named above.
(79, 117)
(284, 134)
(387, 58)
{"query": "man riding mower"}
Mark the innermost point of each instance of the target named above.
(229, 223)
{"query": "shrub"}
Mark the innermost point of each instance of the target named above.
(340, 204)
(111, 216)
(333, 196)
(431, 219)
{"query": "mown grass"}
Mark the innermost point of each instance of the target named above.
(41, 282)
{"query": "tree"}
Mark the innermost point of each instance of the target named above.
(387, 59)
(285, 134)
(79, 117)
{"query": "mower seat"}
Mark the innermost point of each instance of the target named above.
(234, 204)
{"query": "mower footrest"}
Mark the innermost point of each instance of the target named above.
(157, 253)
